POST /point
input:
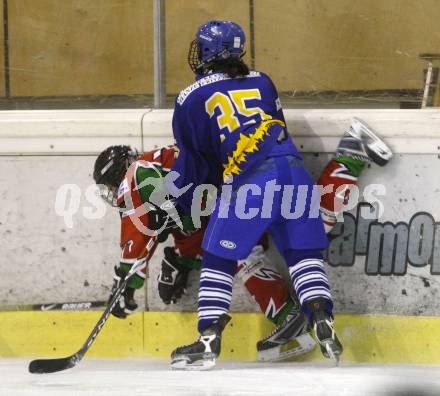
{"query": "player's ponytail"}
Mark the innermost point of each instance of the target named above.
(232, 66)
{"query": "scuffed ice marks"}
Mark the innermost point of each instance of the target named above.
(411, 390)
(153, 377)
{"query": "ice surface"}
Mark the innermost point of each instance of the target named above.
(153, 377)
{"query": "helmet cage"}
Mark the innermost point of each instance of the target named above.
(194, 57)
(108, 195)
(197, 65)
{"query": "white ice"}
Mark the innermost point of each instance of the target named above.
(153, 377)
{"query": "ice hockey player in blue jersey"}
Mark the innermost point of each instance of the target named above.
(230, 132)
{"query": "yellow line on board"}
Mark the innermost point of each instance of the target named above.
(50, 334)
(366, 338)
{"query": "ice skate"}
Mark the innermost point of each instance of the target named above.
(361, 142)
(290, 338)
(202, 354)
(323, 325)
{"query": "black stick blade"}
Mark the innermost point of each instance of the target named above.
(43, 366)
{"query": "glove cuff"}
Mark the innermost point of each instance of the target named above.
(121, 271)
(174, 260)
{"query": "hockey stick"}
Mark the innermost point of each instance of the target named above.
(65, 306)
(42, 366)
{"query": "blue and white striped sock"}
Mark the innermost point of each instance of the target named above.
(310, 282)
(215, 290)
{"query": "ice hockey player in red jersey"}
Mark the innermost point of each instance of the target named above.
(127, 181)
(260, 277)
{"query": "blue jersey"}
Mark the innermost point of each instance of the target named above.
(225, 126)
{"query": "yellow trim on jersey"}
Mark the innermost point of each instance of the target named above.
(247, 145)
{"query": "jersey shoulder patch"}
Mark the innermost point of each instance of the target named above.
(123, 188)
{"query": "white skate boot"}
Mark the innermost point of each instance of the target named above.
(361, 142)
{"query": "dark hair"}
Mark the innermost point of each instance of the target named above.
(232, 66)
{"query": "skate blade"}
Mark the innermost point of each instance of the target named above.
(295, 347)
(198, 365)
(331, 353)
(376, 144)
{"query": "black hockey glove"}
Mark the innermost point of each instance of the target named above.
(173, 277)
(126, 304)
(164, 220)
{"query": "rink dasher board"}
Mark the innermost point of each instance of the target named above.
(88, 252)
(366, 338)
(87, 132)
(81, 258)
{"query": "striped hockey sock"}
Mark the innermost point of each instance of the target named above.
(215, 290)
(310, 281)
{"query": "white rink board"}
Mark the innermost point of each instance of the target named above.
(76, 264)
(411, 190)
(87, 132)
(46, 262)
(153, 377)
